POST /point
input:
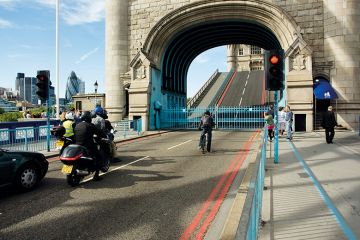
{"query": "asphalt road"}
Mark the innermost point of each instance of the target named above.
(157, 191)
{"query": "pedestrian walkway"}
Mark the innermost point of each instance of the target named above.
(314, 190)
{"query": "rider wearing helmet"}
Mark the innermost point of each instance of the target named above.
(84, 133)
(98, 119)
(69, 125)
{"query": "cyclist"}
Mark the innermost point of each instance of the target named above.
(206, 124)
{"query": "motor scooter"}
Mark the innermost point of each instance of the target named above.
(79, 163)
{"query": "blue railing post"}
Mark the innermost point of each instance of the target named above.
(276, 144)
(26, 142)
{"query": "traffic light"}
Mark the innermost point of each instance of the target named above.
(43, 84)
(274, 70)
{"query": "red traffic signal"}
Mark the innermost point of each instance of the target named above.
(43, 85)
(274, 59)
(274, 70)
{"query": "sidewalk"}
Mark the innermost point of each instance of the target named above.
(55, 152)
(314, 190)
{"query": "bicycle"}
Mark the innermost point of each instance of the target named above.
(203, 139)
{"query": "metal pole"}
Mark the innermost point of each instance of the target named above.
(48, 121)
(57, 61)
(315, 115)
(276, 144)
(24, 94)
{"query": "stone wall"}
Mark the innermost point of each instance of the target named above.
(308, 14)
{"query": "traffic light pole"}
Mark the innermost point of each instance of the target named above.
(276, 144)
(48, 122)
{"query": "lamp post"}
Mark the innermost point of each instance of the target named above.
(96, 85)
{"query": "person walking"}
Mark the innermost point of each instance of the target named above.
(289, 120)
(281, 120)
(328, 123)
(270, 125)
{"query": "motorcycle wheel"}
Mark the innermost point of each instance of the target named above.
(73, 179)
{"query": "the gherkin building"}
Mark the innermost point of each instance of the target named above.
(74, 86)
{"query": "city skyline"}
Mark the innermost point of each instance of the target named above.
(27, 44)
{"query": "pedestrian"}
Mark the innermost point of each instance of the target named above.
(289, 120)
(281, 120)
(28, 114)
(328, 123)
(271, 111)
(270, 125)
(206, 124)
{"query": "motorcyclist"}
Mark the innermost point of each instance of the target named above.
(98, 119)
(69, 125)
(99, 115)
(84, 133)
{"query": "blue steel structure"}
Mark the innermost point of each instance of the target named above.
(225, 117)
(24, 136)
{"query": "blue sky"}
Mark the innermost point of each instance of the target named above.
(27, 43)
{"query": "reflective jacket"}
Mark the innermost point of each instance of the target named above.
(69, 128)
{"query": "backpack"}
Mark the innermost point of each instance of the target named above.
(206, 121)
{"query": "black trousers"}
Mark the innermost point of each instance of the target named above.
(329, 133)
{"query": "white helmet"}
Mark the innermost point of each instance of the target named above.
(69, 116)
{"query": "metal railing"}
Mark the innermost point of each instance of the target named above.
(221, 89)
(26, 138)
(35, 138)
(224, 117)
(250, 220)
(208, 82)
(125, 128)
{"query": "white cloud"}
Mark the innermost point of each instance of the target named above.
(72, 12)
(86, 55)
(5, 23)
(201, 59)
(8, 4)
(15, 55)
(83, 11)
(26, 46)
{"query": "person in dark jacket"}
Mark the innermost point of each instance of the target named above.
(206, 125)
(329, 123)
(84, 135)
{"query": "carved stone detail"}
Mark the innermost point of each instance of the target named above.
(139, 70)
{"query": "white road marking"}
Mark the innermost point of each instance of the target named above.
(243, 91)
(117, 168)
(179, 144)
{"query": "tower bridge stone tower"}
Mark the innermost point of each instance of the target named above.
(151, 43)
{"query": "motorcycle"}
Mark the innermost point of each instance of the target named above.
(79, 163)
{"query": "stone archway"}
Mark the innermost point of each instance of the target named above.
(270, 18)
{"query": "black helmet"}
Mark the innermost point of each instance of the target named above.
(207, 112)
(86, 116)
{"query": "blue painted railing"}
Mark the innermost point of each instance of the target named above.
(26, 138)
(224, 117)
(125, 128)
(250, 220)
(34, 138)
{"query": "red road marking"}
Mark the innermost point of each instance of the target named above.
(221, 197)
(195, 222)
(226, 89)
